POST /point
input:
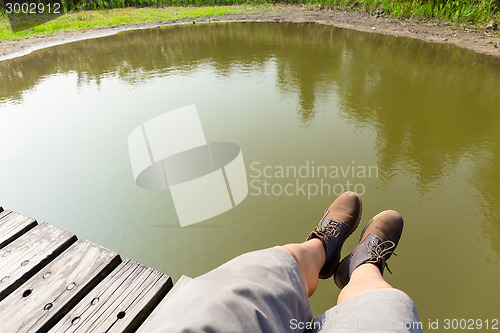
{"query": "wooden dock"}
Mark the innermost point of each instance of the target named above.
(51, 281)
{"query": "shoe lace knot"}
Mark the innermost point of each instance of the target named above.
(380, 250)
(328, 229)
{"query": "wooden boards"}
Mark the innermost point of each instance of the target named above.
(156, 317)
(50, 281)
(13, 225)
(120, 303)
(46, 297)
(26, 255)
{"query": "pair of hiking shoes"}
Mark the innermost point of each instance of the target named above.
(378, 239)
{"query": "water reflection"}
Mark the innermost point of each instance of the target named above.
(434, 108)
(485, 179)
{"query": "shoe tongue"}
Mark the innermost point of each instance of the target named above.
(364, 253)
(334, 245)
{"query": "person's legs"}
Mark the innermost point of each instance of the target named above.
(310, 256)
(366, 277)
(262, 291)
(378, 241)
(361, 271)
(377, 310)
(367, 303)
(319, 255)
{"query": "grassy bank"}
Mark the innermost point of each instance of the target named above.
(466, 10)
(82, 14)
(470, 12)
(91, 19)
(462, 11)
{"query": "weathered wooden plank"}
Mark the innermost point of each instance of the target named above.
(155, 318)
(26, 255)
(44, 299)
(120, 303)
(13, 225)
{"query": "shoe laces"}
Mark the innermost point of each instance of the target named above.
(329, 229)
(378, 250)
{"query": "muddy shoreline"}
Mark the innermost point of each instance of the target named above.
(480, 41)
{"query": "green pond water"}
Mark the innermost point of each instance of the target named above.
(418, 123)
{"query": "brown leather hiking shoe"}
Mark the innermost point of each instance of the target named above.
(339, 221)
(378, 241)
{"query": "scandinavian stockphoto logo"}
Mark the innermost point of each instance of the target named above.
(204, 179)
(309, 179)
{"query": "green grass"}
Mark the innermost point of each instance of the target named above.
(472, 13)
(89, 19)
(101, 4)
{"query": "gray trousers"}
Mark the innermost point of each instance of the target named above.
(263, 291)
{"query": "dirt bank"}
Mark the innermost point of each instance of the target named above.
(480, 41)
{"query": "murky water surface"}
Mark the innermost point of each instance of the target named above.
(411, 126)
